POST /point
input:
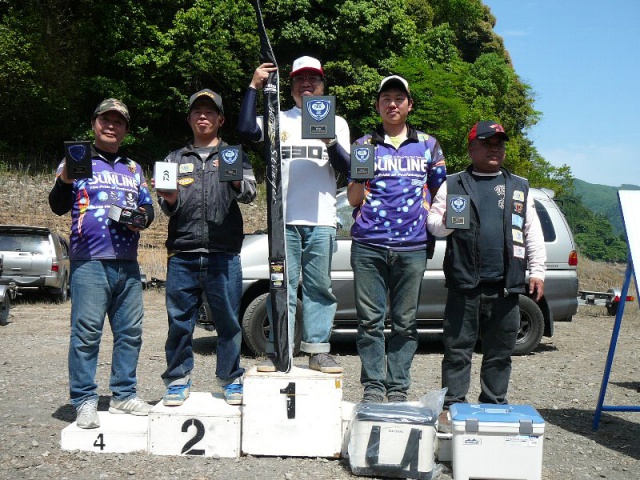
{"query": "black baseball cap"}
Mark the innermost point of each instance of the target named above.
(211, 95)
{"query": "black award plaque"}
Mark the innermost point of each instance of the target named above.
(319, 117)
(458, 211)
(362, 162)
(78, 159)
(230, 163)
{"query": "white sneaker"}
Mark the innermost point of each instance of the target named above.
(87, 414)
(133, 406)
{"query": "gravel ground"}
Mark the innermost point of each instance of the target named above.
(562, 380)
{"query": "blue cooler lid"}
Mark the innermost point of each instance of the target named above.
(487, 412)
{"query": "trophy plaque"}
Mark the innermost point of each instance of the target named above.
(319, 117)
(78, 159)
(165, 176)
(458, 211)
(362, 162)
(230, 163)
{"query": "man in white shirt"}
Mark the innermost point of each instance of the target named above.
(309, 192)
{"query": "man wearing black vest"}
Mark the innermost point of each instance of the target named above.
(485, 266)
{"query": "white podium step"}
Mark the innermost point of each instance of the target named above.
(204, 425)
(296, 414)
(116, 434)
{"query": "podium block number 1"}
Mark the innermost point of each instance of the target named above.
(290, 392)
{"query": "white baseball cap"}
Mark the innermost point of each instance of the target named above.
(394, 81)
(306, 64)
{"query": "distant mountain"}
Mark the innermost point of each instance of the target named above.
(603, 199)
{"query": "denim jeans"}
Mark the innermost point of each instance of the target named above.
(219, 277)
(486, 311)
(378, 271)
(309, 252)
(99, 288)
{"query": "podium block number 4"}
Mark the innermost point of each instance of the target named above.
(100, 442)
(199, 435)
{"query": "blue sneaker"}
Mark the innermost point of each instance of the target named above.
(233, 394)
(176, 395)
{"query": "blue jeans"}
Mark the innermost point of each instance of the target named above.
(309, 252)
(377, 271)
(483, 311)
(219, 277)
(99, 288)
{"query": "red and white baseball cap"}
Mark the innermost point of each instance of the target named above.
(486, 129)
(306, 64)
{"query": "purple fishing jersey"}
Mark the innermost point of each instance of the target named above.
(93, 235)
(397, 200)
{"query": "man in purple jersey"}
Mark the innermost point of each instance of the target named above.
(105, 275)
(389, 249)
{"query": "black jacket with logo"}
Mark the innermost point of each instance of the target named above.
(461, 261)
(206, 217)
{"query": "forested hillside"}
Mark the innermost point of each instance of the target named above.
(59, 58)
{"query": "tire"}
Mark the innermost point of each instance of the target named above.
(61, 295)
(612, 308)
(255, 326)
(5, 306)
(531, 327)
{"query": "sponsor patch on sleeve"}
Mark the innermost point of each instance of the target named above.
(517, 235)
(517, 220)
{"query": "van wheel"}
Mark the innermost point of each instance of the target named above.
(4, 310)
(255, 326)
(531, 327)
(61, 295)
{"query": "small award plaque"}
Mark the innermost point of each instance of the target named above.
(458, 211)
(230, 163)
(319, 117)
(362, 161)
(165, 176)
(78, 159)
(128, 216)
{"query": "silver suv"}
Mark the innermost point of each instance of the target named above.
(34, 257)
(537, 319)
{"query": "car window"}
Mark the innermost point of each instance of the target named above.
(548, 231)
(345, 221)
(21, 242)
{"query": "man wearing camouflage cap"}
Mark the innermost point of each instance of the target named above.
(105, 275)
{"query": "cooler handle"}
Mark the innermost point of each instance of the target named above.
(410, 457)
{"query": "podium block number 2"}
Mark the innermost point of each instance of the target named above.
(187, 450)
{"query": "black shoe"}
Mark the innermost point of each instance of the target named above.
(372, 397)
(396, 397)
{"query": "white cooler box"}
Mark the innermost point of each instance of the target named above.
(392, 440)
(496, 441)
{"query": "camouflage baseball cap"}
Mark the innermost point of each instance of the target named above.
(112, 105)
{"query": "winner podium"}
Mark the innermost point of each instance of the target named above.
(296, 414)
